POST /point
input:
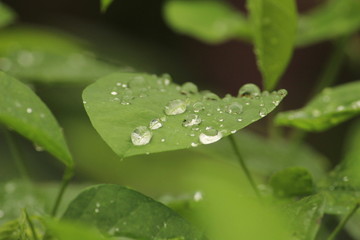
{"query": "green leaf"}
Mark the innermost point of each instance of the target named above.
(292, 182)
(48, 56)
(118, 211)
(330, 108)
(16, 229)
(105, 5)
(7, 16)
(274, 24)
(23, 111)
(141, 113)
(209, 21)
(330, 20)
(305, 216)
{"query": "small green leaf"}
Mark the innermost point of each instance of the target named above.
(7, 16)
(118, 211)
(23, 111)
(292, 182)
(330, 20)
(330, 108)
(105, 4)
(274, 25)
(209, 21)
(305, 216)
(141, 113)
(48, 56)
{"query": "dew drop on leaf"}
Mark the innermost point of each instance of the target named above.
(166, 79)
(141, 136)
(198, 106)
(263, 112)
(191, 120)
(155, 124)
(189, 88)
(234, 108)
(113, 93)
(211, 96)
(175, 107)
(29, 110)
(210, 135)
(249, 90)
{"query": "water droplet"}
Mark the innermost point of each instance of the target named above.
(162, 140)
(97, 204)
(155, 124)
(198, 106)
(119, 84)
(198, 196)
(96, 210)
(282, 92)
(166, 79)
(25, 58)
(263, 112)
(127, 96)
(29, 110)
(355, 105)
(210, 136)
(189, 88)
(1, 213)
(233, 131)
(234, 108)
(163, 118)
(113, 93)
(42, 115)
(191, 120)
(340, 108)
(38, 148)
(84, 102)
(210, 96)
(345, 179)
(175, 107)
(193, 144)
(141, 136)
(239, 119)
(221, 120)
(316, 113)
(249, 90)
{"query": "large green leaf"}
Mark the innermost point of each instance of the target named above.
(6, 15)
(105, 4)
(305, 216)
(209, 21)
(331, 107)
(330, 20)
(119, 211)
(292, 182)
(141, 113)
(24, 112)
(274, 24)
(48, 56)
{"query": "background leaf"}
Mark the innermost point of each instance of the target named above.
(330, 108)
(274, 24)
(209, 21)
(140, 113)
(118, 211)
(7, 16)
(24, 112)
(330, 20)
(48, 56)
(105, 4)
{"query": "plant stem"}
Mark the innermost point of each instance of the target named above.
(243, 165)
(16, 155)
(31, 225)
(68, 174)
(342, 223)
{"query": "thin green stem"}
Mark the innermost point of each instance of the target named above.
(69, 172)
(243, 165)
(31, 225)
(16, 155)
(342, 223)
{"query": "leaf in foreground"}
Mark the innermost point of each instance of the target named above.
(330, 20)
(24, 112)
(118, 211)
(305, 216)
(330, 108)
(141, 113)
(6, 15)
(48, 56)
(209, 21)
(274, 25)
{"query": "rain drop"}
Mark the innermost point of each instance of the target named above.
(194, 144)
(191, 120)
(198, 106)
(198, 196)
(155, 124)
(113, 93)
(141, 136)
(249, 90)
(166, 79)
(189, 88)
(340, 108)
(162, 140)
(210, 136)
(234, 108)
(29, 110)
(175, 107)
(263, 112)
(211, 96)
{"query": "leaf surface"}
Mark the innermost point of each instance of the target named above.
(105, 4)
(7, 16)
(330, 20)
(118, 211)
(330, 108)
(209, 21)
(274, 24)
(141, 113)
(48, 56)
(23, 111)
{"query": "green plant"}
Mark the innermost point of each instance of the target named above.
(226, 189)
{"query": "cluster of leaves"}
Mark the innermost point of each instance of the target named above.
(138, 113)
